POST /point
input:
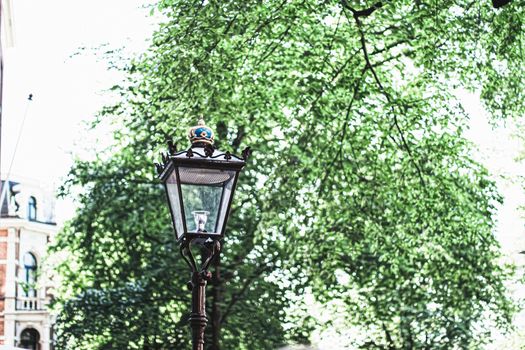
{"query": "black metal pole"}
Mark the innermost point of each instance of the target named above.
(198, 319)
(199, 280)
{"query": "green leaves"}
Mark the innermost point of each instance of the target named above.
(359, 170)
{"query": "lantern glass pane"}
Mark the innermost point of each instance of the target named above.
(203, 192)
(174, 198)
(225, 202)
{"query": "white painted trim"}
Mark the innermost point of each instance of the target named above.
(27, 181)
(21, 315)
(5, 240)
(28, 225)
(23, 325)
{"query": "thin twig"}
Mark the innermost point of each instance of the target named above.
(370, 67)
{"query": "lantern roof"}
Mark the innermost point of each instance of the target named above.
(201, 153)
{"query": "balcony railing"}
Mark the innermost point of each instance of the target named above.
(30, 304)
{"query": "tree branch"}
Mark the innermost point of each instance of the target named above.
(345, 127)
(238, 296)
(370, 67)
(389, 46)
(362, 13)
(271, 48)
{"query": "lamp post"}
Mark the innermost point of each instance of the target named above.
(200, 183)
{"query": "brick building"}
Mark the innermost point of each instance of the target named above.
(26, 227)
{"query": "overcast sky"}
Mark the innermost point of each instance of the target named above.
(54, 58)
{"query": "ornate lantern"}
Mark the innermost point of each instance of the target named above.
(200, 183)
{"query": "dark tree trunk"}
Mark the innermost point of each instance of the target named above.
(215, 307)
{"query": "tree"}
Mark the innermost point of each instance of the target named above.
(361, 188)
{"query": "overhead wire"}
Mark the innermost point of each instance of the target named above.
(20, 132)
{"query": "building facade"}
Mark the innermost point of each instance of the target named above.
(26, 228)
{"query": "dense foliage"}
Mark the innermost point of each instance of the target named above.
(361, 188)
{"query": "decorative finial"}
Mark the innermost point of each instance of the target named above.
(201, 134)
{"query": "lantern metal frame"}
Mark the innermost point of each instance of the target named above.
(208, 158)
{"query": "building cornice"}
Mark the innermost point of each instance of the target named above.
(14, 222)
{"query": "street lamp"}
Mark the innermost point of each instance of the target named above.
(200, 183)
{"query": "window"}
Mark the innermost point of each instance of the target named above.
(30, 275)
(29, 339)
(31, 210)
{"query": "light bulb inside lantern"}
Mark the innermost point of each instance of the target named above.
(200, 217)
